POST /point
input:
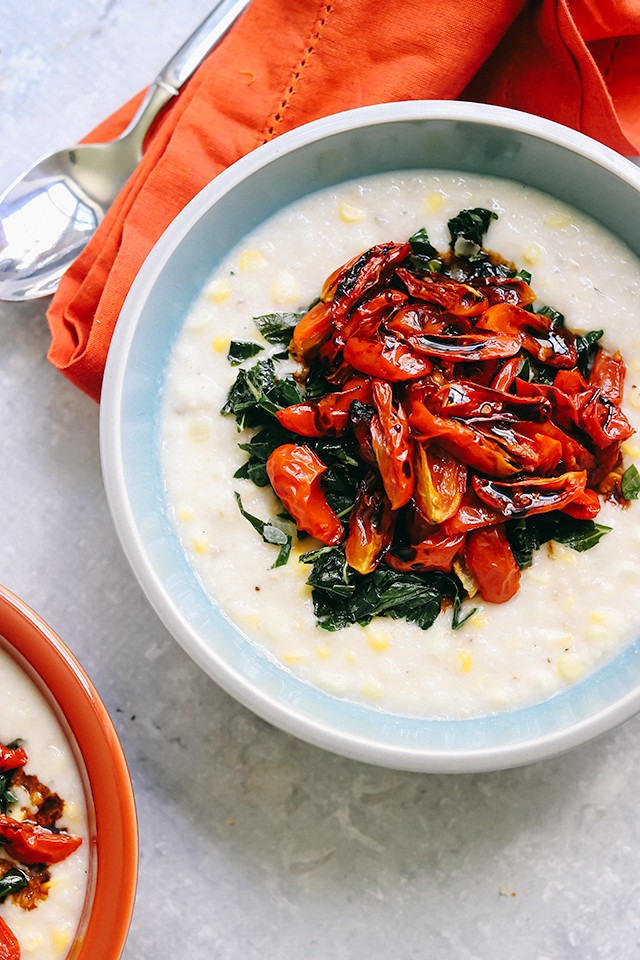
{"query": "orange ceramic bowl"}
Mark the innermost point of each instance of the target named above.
(112, 822)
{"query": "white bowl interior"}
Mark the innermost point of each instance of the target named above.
(417, 135)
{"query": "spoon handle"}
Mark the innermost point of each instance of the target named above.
(182, 64)
(202, 40)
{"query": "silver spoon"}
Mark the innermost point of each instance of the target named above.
(49, 214)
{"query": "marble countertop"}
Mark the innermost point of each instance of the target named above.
(253, 844)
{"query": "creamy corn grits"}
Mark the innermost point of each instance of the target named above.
(573, 610)
(48, 931)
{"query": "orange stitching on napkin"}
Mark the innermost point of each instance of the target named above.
(302, 63)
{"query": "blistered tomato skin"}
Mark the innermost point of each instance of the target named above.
(30, 843)
(294, 472)
(9, 946)
(490, 559)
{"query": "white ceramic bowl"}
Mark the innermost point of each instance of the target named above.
(420, 134)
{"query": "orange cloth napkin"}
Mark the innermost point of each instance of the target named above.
(286, 62)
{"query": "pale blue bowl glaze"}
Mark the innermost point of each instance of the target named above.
(401, 136)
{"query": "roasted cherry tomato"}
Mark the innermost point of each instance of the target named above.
(465, 400)
(365, 319)
(465, 347)
(327, 416)
(386, 358)
(360, 416)
(436, 552)
(295, 473)
(441, 481)
(312, 331)
(371, 525)
(604, 422)
(463, 440)
(392, 445)
(585, 506)
(491, 561)
(506, 374)
(522, 498)
(471, 515)
(608, 373)
(425, 318)
(12, 757)
(539, 336)
(362, 276)
(30, 843)
(457, 298)
(9, 946)
(506, 290)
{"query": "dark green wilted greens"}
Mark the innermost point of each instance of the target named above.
(11, 882)
(341, 596)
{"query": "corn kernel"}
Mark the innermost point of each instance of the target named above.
(251, 260)
(478, 620)
(372, 688)
(434, 201)
(200, 429)
(631, 449)
(605, 625)
(565, 556)
(600, 615)
(350, 656)
(323, 652)
(199, 321)
(570, 667)
(556, 221)
(71, 811)
(284, 288)
(60, 940)
(532, 254)
(200, 544)
(466, 660)
(185, 514)
(220, 344)
(293, 657)
(218, 292)
(556, 638)
(349, 213)
(378, 639)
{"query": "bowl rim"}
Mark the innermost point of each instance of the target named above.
(111, 801)
(399, 755)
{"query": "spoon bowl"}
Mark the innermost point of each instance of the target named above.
(49, 214)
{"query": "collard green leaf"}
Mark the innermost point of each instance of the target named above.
(257, 391)
(341, 596)
(424, 256)
(552, 314)
(11, 882)
(585, 348)
(469, 227)
(6, 797)
(529, 533)
(277, 327)
(270, 533)
(240, 350)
